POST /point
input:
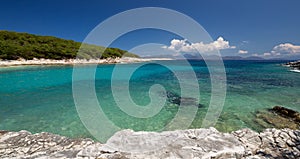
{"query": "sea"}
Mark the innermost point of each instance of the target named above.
(41, 98)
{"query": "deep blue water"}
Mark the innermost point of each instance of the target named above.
(39, 98)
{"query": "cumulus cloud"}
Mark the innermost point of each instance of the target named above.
(184, 46)
(287, 48)
(283, 50)
(243, 52)
(267, 54)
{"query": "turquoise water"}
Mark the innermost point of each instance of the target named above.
(39, 98)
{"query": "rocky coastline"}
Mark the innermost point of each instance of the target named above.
(193, 143)
(295, 65)
(282, 141)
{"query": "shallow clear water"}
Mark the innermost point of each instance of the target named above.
(39, 98)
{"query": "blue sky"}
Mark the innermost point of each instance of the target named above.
(254, 27)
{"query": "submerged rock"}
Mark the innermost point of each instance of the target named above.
(182, 101)
(288, 113)
(193, 143)
(278, 117)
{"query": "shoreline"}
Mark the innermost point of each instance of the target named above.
(124, 60)
(295, 70)
(23, 62)
(190, 143)
(295, 65)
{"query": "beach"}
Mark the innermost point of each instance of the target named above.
(5, 63)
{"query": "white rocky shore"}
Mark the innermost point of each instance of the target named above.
(4, 63)
(194, 143)
(295, 65)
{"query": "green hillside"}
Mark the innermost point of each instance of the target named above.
(15, 45)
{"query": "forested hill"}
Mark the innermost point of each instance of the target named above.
(15, 45)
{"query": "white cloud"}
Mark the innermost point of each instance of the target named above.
(287, 48)
(184, 46)
(243, 52)
(275, 53)
(267, 54)
(283, 50)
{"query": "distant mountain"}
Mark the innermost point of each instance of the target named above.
(215, 57)
(158, 56)
(288, 58)
(232, 58)
(278, 59)
(212, 57)
(253, 58)
(192, 56)
(15, 45)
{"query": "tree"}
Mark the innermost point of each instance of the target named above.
(28, 46)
